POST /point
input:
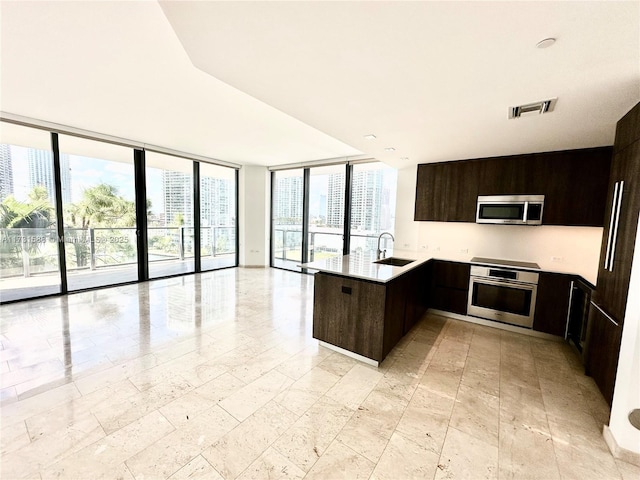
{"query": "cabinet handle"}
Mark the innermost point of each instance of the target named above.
(615, 229)
(566, 328)
(606, 314)
(611, 224)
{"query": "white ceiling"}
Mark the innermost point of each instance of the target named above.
(285, 82)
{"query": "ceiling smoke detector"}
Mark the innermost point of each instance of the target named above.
(538, 108)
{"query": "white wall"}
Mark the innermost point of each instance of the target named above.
(627, 391)
(560, 249)
(254, 201)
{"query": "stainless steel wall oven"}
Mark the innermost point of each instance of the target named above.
(504, 295)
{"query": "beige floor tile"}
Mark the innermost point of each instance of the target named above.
(169, 454)
(577, 463)
(300, 364)
(628, 471)
(239, 448)
(422, 427)
(526, 453)
(303, 393)
(477, 413)
(466, 457)
(340, 462)
(197, 469)
(101, 457)
(355, 386)
(256, 394)
(371, 426)
(273, 466)
(405, 459)
(114, 416)
(310, 436)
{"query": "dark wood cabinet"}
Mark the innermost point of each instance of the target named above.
(364, 317)
(613, 280)
(574, 183)
(616, 254)
(602, 351)
(450, 286)
(349, 313)
(447, 191)
(552, 303)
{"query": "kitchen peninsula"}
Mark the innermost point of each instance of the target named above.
(365, 308)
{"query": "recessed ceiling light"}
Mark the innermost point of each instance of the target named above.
(389, 149)
(371, 136)
(547, 42)
(404, 159)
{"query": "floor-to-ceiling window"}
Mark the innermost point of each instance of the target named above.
(98, 198)
(29, 265)
(373, 206)
(311, 205)
(217, 216)
(326, 212)
(169, 215)
(287, 221)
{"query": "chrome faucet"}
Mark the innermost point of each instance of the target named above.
(382, 253)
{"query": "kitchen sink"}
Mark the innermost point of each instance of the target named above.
(394, 261)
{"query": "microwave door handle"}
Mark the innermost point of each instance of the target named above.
(526, 211)
(615, 229)
(611, 224)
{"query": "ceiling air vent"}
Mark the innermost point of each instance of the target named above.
(538, 108)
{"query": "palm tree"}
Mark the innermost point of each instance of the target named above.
(100, 206)
(24, 218)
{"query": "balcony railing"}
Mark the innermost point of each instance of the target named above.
(288, 244)
(32, 251)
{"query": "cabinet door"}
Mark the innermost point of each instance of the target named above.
(450, 286)
(575, 184)
(349, 314)
(602, 352)
(552, 303)
(447, 192)
(613, 283)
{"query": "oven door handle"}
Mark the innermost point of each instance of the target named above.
(504, 283)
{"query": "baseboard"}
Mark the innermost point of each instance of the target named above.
(253, 266)
(617, 451)
(348, 353)
(498, 325)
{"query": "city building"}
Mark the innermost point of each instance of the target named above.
(6, 172)
(288, 201)
(41, 173)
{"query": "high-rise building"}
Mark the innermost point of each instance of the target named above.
(178, 198)
(366, 199)
(288, 207)
(335, 200)
(217, 202)
(6, 172)
(41, 173)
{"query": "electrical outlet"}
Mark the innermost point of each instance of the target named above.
(464, 250)
(557, 259)
(437, 249)
(406, 245)
(425, 247)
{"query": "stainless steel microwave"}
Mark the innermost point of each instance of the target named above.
(510, 209)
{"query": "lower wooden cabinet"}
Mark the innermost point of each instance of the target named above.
(364, 317)
(603, 348)
(552, 303)
(450, 286)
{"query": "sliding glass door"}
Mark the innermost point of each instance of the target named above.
(169, 215)
(98, 197)
(326, 212)
(217, 216)
(287, 208)
(29, 265)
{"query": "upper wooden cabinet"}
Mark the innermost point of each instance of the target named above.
(574, 183)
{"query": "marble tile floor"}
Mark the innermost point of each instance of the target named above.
(217, 376)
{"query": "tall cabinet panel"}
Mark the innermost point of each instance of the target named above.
(618, 244)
